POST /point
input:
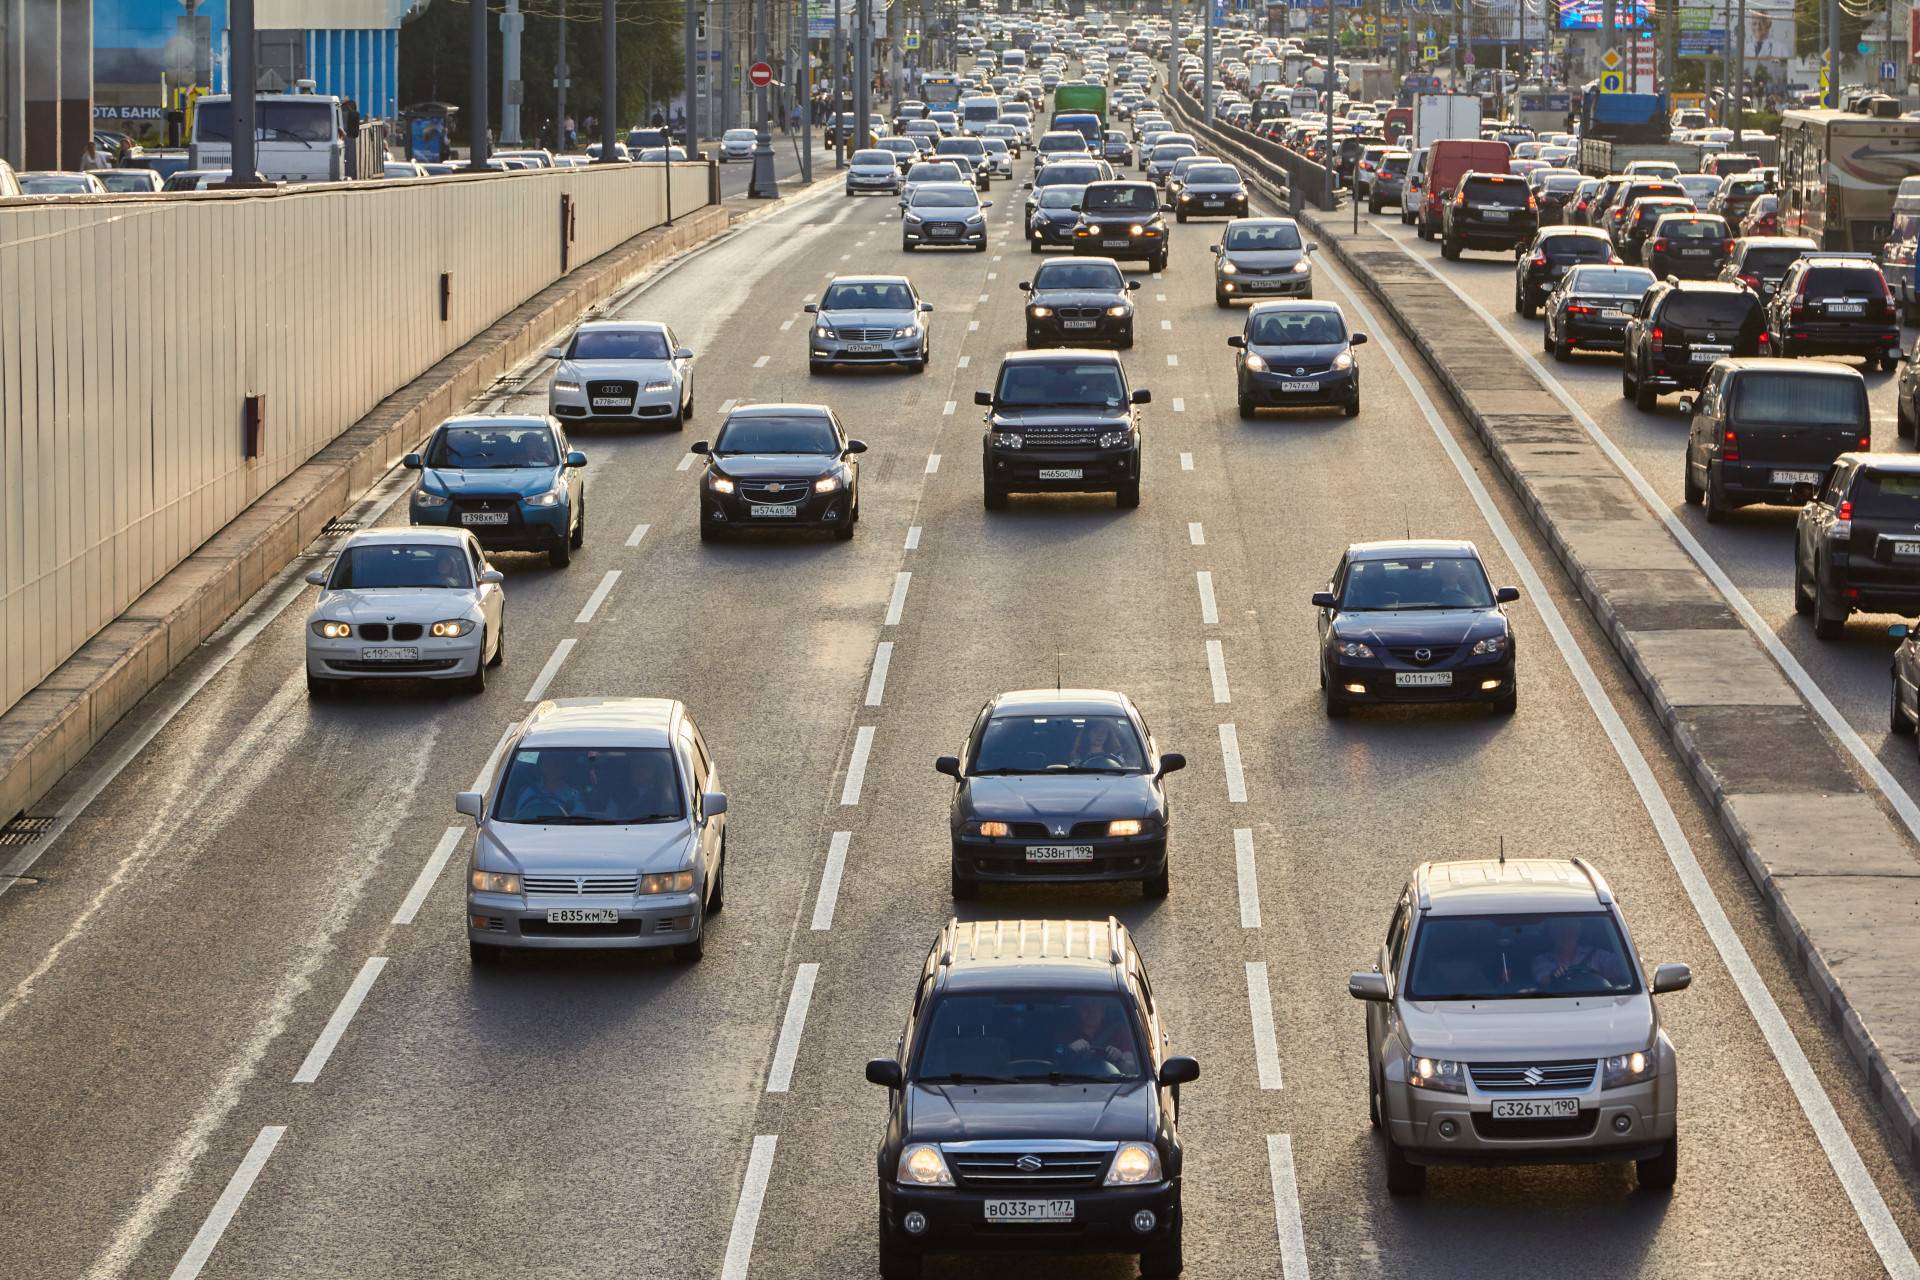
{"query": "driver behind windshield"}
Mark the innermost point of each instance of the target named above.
(1567, 956)
(1097, 1037)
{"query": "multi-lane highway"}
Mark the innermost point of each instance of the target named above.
(240, 1035)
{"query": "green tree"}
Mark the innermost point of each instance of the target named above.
(1806, 29)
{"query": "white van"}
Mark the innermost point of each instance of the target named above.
(298, 137)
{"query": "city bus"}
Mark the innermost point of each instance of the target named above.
(1839, 172)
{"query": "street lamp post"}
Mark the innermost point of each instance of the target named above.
(477, 105)
(609, 90)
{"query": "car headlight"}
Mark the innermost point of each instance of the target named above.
(1041, 313)
(551, 498)
(1227, 267)
(990, 828)
(333, 630)
(1009, 439)
(1625, 1069)
(913, 219)
(1353, 649)
(451, 628)
(1117, 311)
(565, 384)
(1301, 267)
(922, 1165)
(1184, 197)
(667, 882)
(1492, 644)
(977, 220)
(494, 881)
(907, 332)
(826, 484)
(823, 331)
(1442, 1074)
(1115, 439)
(1137, 229)
(1344, 360)
(660, 386)
(1125, 827)
(719, 483)
(1093, 228)
(1256, 363)
(1134, 1163)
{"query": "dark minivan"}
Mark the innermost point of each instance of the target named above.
(1762, 428)
(1857, 543)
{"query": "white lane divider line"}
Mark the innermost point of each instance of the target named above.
(810, 298)
(993, 275)
(996, 257)
(1159, 297)
(1186, 462)
(933, 463)
(951, 406)
(429, 875)
(973, 326)
(686, 460)
(1179, 404)
(746, 1214)
(1230, 762)
(785, 325)
(913, 538)
(846, 257)
(836, 867)
(1248, 876)
(897, 603)
(1266, 1044)
(761, 362)
(208, 1237)
(599, 597)
(792, 1027)
(1196, 534)
(1217, 671)
(1166, 324)
(963, 362)
(983, 297)
(1286, 1208)
(639, 532)
(857, 765)
(1172, 360)
(1209, 612)
(726, 407)
(877, 682)
(336, 1027)
(548, 672)
(485, 777)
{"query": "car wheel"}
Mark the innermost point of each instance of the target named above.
(1373, 1092)
(995, 498)
(499, 646)
(483, 953)
(926, 358)
(1353, 410)
(1221, 300)
(1180, 215)
(1546, 339)
(560, 555)
(709, 532)
(717, 896)
(1334, 705)
(1507, 703)
(1825, 625)
(1897, 720)
(1717, 507)
(816, 367)
(477, 682)
(1691, 491)
(1373, 205)
(906, 246)
(1033, 340)
(1161, 885)
(1404, 1177)
(579, 536)
(1449, 250)
(1165, 1261)
(1127, 497)
(963, 887)
(1126, 339)
(843, 532)
(1902, 424)
(1802, 597)
(896, 1263)
(317, 688)
(1562, 350)
(1645, 398)
(1660, 1172)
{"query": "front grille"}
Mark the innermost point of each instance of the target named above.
(1001, 1170)
(1579, 1126)
(865, 335)
(776, 491)
(1080, 313)
(1061, 439)
(407, 631)
(1435, 653)
(570, 886)
(462, 507)
(1499, 1077)
(373, 631)
(624, 390)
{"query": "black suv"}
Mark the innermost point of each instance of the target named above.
(1122, 220)
(1760, 262)
(1692, 246)
(1488, 211)
(1075, 300)
(1061, 422)
(1553, 251)
(1833, 304)
(1032, 1103)
(1763, 428)
(1857, 543)
(1680, 328)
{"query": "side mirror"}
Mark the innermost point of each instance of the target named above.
(1313, 246)
(856, 446)
(713, 803)
(1236, 341)
(1686, 405)
(700, 446)
(926, 307)
(1028, 184)
(683, 353)
(812, 309)
(1323, 600)
(556, 353)
(1357, 340)
(1367, 986)
(1179, 1070)
(1507, 595)
(318, 578)
(1801, 493)
(1671, 977)
(469, 803)
(883, 1071)
(1143, 396)
(491, 577)
(983, 397)
(1076, 208)
(1172, 762)
(1025, 286)
(949, 765)
(411, 462)
(575, 458)
(1214, 249)
(1132, 286)
(1898, 631)
(986, 204)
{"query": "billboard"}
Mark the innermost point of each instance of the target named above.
(135, 42)
(1590, 15)
(1769, 31)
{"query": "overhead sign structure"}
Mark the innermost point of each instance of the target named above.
(759, 75)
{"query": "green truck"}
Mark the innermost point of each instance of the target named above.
(1080, 99)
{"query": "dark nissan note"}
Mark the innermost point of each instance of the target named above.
(1763, 428)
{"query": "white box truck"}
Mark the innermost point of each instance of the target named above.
(1445, 115)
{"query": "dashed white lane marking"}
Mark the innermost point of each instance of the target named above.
(1159, 297)
(792, 1027)
(973, 326)
(429, 875)
(1179, 404)
(336, 1027)
(913, 538)
(993, 275)
(1196, 534)
(963, 362)
(1172, 359)
(208, 1237)
(1248, 876)
(983, 297)
(1209, 611)
(599, 596)
(1186, 462)
(810, 297)
(877, 682)
(1266, 1044)
(846, 257)
(746, 1214)
(726, 407)
(1217, 671)
(552, 669)
(823, 906)
(639, 532)
(897, 603)
(1166, 324)
(1286, 1208)
(761, 362)
(686, 460)
(1230, 762)
(933, 463)
(857, 765)
(951, 406)
(785, 325)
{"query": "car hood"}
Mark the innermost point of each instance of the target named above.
(1516, 1030)
(1120, 1112)
(1211, 188)
(1308, 354)
(1055, 215)
(1264, 259)
(751, 466)
(1067, 797)
(945, 212)
(857, 319)
(1093, 417)
(517, 481)
(1430, 627)
(874, 170)
(1078, 297)
(625, 850)
(641, 369)
(394, 604)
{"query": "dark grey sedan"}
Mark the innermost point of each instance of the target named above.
(1211, 191)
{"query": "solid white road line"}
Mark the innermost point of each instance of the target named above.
(761, 362)
(1230, 761)
(1179, 405)
(898, 602)
(877, 682)
(1286, 1208)
(933, 463)
(1196, 534)
(913, 538)
(208, 1237)
(1248, 876)
(599, 596)
(1186, 462)
(639, 532)
(857, 765)
(951, 405)
(785, 325)
(429, 875)
(1266, 1044)
(823, 905)
(552, 669)
(686, 460)
(337, 1025)
(810, 298)
(1209, 611)
(792, 1027)
(963, 362)
(746, 1214)
(1217, 671)
(1849, 1169)
(485, 776)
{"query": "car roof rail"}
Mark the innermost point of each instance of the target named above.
(1113, 940)
(1598, 881)
(946, 940)
(1421, 881)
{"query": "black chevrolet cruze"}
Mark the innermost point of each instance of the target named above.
(1414, 621)
(1033, 1103)
(780, 466)
(1059, 786)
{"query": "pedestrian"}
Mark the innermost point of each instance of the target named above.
(659, 121)
(90, 158)
(571, 136)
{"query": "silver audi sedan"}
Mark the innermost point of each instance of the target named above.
(622, 370)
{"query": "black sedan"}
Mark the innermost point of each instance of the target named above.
(1059, 786)
(1056, 213)
(780, 466)
(1590, 308)
(1295, 354)
(1414, 621)
(1554, 251)
(1211, 191)
(1079, 300)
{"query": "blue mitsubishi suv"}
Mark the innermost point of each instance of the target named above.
(510, 479)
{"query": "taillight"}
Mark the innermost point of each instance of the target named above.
(1461, 198)
(1866, 443)
(1846, 510)
(1660, 245)
(1531, 204)
(1726, 247)
(1765, 343)
(1730, 450)
(1658, 340)
(1752, 282)
(1576, 309)
(1539, 259)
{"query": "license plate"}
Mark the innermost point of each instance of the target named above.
(1906, 548)
(1061, 473)
(1029, 1210)
(612, 402)
(483, 517)
(1846, 308)
(407, 654)
(946, 231)
(1261, 284)
(863, 348)
(1611, 314)
(788, 509)
(1693, 253)
(1212, 200)
(1705, 357)
(1494, 215)
(1299, 386)
(1796, 477)
(1113, 244)
(1422, 679)
(582, 915)
(1060, 853)
(1077, 324)
(1536, 1108)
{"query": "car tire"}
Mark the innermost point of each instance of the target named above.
(926, 358)
(1127, 496)
(994, 497)
(905, 246)
(1645, 398)
(1449, 250)
(843, 532)
(717, 897)
(1825, 625)
(1126, 340)
(499, 647)
(476, 683)
(692, 952)
(1166, 1261)
(578, 538)
(1692, 492)
(318, 688)
(1507, 703)
(710, 532)
(1180, 215)
(1902, 423)
(1332, 703)
(1546, 339)
(1562, 350)
(560, 555)
(1802, 597)
(1033, 246)
(1353, 410)
(1404, 1177)
(1373, 1093)
(1373, 205)
(1898, 722)
(816, 367)
(896, 1263)
(963, 887)
(1660, 1172)
(1221, 300)
(1161, 885)
(483, 953)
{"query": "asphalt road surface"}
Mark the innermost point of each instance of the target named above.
(243, 883)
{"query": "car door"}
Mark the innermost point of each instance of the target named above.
(682, 366)
(1814, 519)
(1335, 585)
(1703, 432)
(492, 598)
(1387, 962)
(706, 779)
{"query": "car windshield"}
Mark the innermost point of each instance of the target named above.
(1887, 493)
(126, 181)
(1058, 174)
(1621, 282)
(1296, 328)
(1711, 310)
(945, 171)
(1504, 192)
(1798, 398)
(1254, 235)
(1061, 197)
(1078, 275)
(757, 433)
(1133, 198)
(945, 199)
(471, 448)
(1063, 142)
(619, 344)
(590, 786)
(393, 565)
(1770, 261)
(1062, 383)
(848, 295)
(1202, 174)
(1014, 744)
(1845, 282)
(874, 157)
(307, 122)
(1509, 957)
(55, 184)
(1020, 1036)
(1649, 212)
(1167, 152)
(1590, 248)
(1430, 582)
(960, 147)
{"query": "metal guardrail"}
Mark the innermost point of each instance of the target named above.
(1303, 179)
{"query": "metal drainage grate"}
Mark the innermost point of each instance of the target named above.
(337, 526)
(24, 831)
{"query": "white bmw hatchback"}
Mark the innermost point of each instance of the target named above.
(411, 602)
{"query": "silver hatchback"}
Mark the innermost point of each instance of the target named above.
(605, 828)
(1508, 1022)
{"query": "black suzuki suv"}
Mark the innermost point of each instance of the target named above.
(1857, 542)
(1061, 422)
(1488, 211)
(1680, 328)
(1033, 1105)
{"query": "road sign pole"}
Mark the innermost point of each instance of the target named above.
(760, 76)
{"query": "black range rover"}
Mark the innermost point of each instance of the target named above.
(1033, 1104)
(1061, 421)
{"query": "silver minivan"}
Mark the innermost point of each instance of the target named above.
(605, 827)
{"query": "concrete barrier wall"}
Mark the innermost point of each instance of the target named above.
(133, 329)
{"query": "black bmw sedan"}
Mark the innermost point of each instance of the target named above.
(1060, 786)
(1414, 621)
(1079, 300)
(780, 466)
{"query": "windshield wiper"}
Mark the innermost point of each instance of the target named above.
(1066, 1077)
(967, 1077)
(1079, 768)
